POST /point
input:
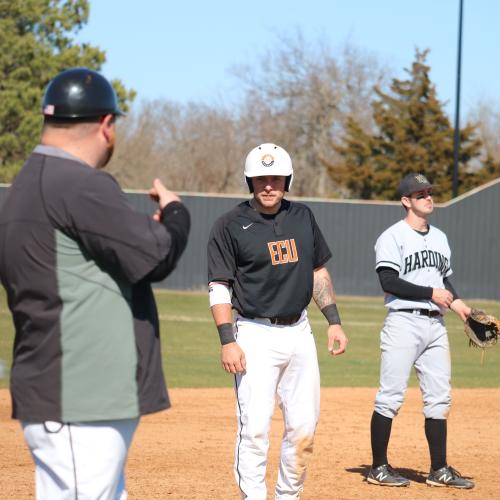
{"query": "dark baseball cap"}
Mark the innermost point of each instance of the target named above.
(412, 183)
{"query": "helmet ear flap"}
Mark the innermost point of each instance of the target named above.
(288, 182)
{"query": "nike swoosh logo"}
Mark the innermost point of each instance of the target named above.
(246, 227)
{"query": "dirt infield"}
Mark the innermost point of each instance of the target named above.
(187, 452)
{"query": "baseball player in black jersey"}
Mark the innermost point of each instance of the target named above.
(413, 262)
(266, 259)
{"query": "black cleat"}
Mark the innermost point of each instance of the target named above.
(385, 475)
(448, 477)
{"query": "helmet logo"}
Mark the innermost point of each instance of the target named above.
(420, 179)
(49, 109)
(267, 160)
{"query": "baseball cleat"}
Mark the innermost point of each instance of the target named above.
(385, 475)
(448, 477)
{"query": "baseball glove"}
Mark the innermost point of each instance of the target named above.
(482, 329)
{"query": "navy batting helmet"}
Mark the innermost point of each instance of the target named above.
(80, 93)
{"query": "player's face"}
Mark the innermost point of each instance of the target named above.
(268, 191)
(421, 202)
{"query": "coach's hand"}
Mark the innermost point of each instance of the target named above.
(233, 358)
(161, 195)
(336, 336)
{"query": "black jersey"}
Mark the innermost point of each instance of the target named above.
(268, 262)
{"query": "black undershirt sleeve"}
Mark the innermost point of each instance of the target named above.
(393, 284)
(449, 287)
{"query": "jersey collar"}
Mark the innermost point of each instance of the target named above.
(277, 222)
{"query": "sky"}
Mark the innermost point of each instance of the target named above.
(183, 50)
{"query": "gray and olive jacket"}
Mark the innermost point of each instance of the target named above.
(77, 262)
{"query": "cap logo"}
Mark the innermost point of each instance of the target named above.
(267, 160)
(421, 179)
(49, 109)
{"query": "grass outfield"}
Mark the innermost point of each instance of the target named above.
(191, 347)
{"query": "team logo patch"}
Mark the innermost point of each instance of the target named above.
(421, 179)
(283, 252)
(267, 160)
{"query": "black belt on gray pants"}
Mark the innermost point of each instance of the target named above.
(421, 312)
(280, 320)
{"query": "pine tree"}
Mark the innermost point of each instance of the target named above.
(412, 134)
(35, 45)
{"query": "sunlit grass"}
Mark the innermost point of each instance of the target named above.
(191, 346)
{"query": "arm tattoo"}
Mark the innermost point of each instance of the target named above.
(323, 293)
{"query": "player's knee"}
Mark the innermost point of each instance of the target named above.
(304, 421)
(388, 403)
(388, 407)
(301, 432)
(437, 409)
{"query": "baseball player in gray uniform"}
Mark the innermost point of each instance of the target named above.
(414, 268)
(266, 260)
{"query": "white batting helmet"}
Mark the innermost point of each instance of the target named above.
(268, 159)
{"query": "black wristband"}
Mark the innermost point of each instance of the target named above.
(331, 314)
(226, 333)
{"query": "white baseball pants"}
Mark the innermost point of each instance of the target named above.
(281, 361)
(80, 461)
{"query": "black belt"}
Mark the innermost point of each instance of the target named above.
(280, 320)
(422, 312)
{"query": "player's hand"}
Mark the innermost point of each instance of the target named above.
(336, 336)
(442, 297)
(233, 358)
(162, 196)
(461, 308)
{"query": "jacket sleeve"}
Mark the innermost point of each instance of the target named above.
(127, 244)
(177, 222)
